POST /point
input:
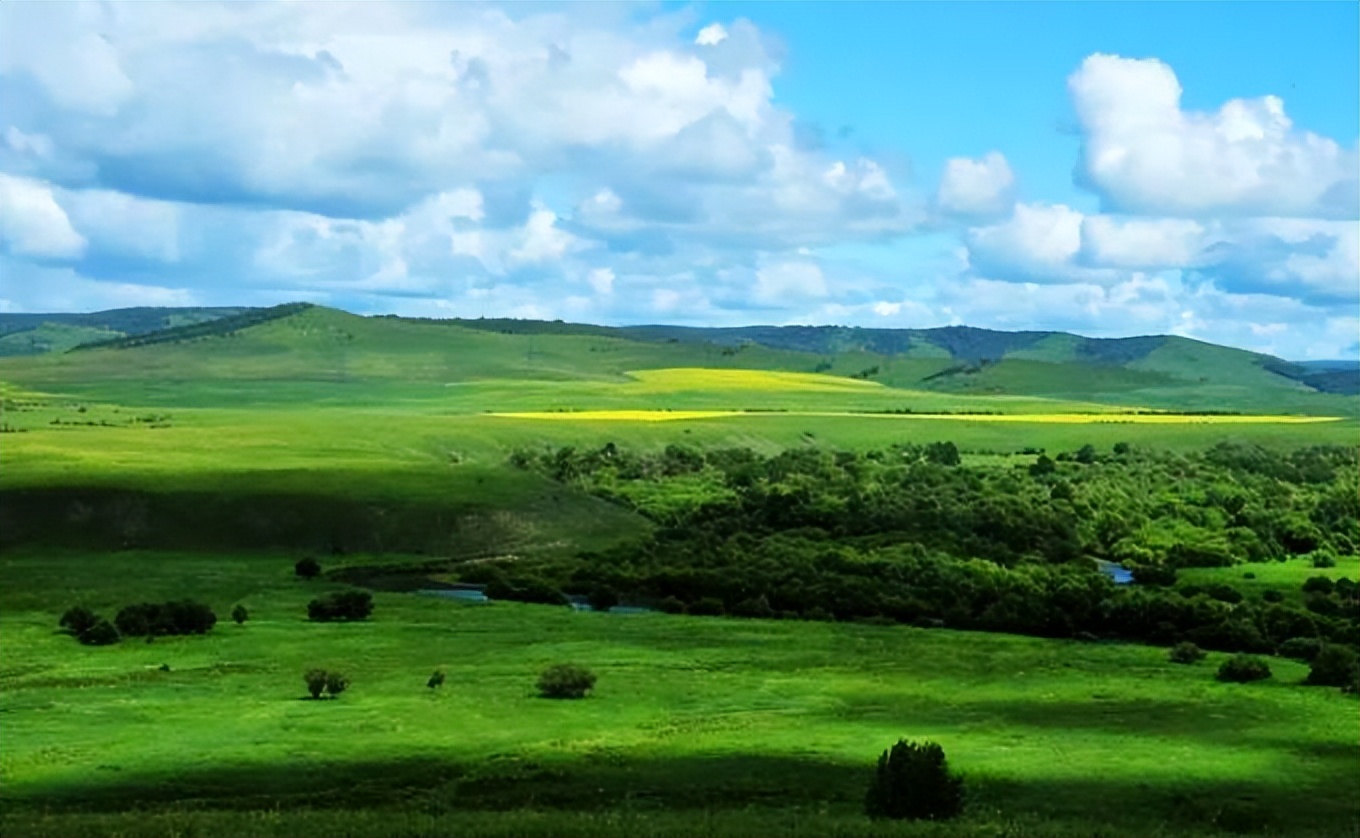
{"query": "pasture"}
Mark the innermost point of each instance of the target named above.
(206, 469)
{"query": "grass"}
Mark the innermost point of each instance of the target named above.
(1286, 577)
(323, 429)
(690, 716)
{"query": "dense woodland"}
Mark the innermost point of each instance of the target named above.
(914, 535)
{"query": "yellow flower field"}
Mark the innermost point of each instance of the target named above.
(1050, 418)
(700, 378)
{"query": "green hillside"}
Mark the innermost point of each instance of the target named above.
(35, 334)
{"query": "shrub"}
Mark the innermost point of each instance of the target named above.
(1318, 585)
(1333, 666)
(1300, 648)
(565, 680)
(336, 683)
(1249, 575)
(1154, 574)
(913, 781)
(436, 679)
(102, 633)
(342, 606)
(1323, 559)
(1186, 652)
(308, 568)
(1241, 669)
(603, 598)
(671, 605)
(1272, 595)
(78, 620)
(239, 614)
(316, 681)
(154, 619)
(707, 607)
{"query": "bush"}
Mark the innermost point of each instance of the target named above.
(1300, 648)
(436, 679)
(913, 781)
(321, 681)
(1323, 559)
(1318, 585)
(1333, 666)
(336, 683)
(671, 605)
(102, 633)
(239, 614)
(565, 680)
(603, 598)
(1272, 595)
(1241, 669)
(78, 620)
(1154, 575)
(707, 607)
(342, 606)
(316, 681)
(1186, 652)
(155, 619)
(308, 568)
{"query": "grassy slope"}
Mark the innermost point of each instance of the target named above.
(690, 714)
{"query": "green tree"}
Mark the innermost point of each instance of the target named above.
(913, 782)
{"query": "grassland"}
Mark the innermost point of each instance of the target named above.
(691, 716)
(228, 458)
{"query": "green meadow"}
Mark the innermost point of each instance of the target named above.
(205, 468)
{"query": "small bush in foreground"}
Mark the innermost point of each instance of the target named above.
(308, 568)
(320, 681)
(913, 782)
(240, 614)
(1241, 669)
(78, 620)
(565, 680)
(345, 606)
(1186, 652)
(436, 679)
(1333, 666)
(102, 633)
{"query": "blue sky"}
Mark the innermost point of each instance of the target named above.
(1104, 168)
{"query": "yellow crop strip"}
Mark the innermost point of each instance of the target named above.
(700, 378)
(1051, 418)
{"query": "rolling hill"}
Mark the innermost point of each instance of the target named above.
(312, 346)
(35, 334)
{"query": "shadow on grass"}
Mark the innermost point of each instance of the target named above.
(605, 781)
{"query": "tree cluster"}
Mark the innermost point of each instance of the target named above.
(342, 606)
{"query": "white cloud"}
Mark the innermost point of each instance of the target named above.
(1141, 243)
(983, 187)
(32, 223)
(789, 282)
(1038, 243)
(1144, 154)
(601, 281)
(711, 35)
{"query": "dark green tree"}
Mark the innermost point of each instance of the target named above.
(913, 782)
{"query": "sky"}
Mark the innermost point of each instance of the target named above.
(1109, 169)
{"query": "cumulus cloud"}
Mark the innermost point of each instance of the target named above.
(1143, 153)
(711, 35)
(789, 281)
(983, 187)
(32, 223)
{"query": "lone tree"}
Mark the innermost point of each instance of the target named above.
(308, 568)
(436, 679)
(565, 680)
(913, 782)
(316, 682)
(239, 614)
